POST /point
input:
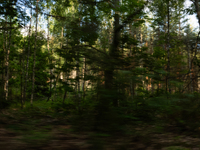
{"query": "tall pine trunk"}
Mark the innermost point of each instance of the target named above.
(28, 55)
(114, 52)
(195, 80)
(50, 70)
(84, 74)
(23, 71)
(59, 74)
(168, 49)
(6, 85)
(34, 55)
(4, 60)
(78, 81)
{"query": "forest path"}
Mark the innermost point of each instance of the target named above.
(44, 132)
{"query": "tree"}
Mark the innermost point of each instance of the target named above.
(11, 14)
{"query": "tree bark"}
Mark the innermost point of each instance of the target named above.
(114, 52)
(77, 80)
(22, 79)
(50, 70)
(66, 81)
(4, 61)
(168, 48)
(23, 71)
(28, 55)
(6, 85)
(34, 55)
(196, 3)
(59, 74)
(84, 74)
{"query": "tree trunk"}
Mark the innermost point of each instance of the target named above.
(77, 81)
(114, 52)
(50, 71)
(6, 86)
(55, 85)
(195, 80)
(151, 52)
(34, 55)
(196, 4)
(66, 81)
(28, 55)
(65, 95)
(59, 74)
(22, 74)
(4, 61)
(168, 49)
(132, 89)
(84, 74)
(22, 79)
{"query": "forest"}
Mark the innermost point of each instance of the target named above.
(99, 75)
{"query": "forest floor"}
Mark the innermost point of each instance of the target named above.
(31, 130)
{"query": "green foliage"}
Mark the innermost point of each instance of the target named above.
(36, 137)
(66, 108)
(104, 89)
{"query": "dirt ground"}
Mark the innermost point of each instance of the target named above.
(43, 132)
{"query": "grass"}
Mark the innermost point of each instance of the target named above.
(36, 125)
(36, 138)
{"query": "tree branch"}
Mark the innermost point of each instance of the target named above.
(129, 18)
